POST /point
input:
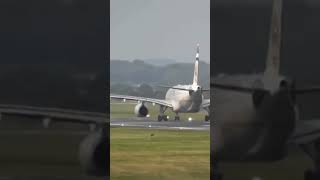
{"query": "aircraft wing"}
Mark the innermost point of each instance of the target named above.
(206, 103)
(306, 131)
(50, 115)
(143, 99)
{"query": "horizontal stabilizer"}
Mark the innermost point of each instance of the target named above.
(315, 89)
(307, 90)
(235, 88)
(178, 88)
(170, 87)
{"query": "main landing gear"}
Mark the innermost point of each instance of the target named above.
(162, 116)
(177, 117)
(313, 150)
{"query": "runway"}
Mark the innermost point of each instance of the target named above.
(198, 125)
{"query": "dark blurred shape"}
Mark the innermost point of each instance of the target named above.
(54, 53)
(240, 37)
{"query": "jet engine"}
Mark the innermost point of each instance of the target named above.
(94, 153)
(141, 110)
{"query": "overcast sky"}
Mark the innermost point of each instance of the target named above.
(147, 29)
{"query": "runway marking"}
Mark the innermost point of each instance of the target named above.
(162, 125)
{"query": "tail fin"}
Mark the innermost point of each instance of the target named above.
(271, 73)
(273, 57)
(196, 67)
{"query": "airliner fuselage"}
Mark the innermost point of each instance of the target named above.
(185, 101)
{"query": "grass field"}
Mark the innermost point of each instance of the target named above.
(138, 154)
(126, 110)
(143, 154)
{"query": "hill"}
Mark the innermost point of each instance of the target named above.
(138, 72)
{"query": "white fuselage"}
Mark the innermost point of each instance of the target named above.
(183, 100)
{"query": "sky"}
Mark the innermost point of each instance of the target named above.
(152, 29)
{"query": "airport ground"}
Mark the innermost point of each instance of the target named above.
(141, 154)
(135, 154)
(163, 166)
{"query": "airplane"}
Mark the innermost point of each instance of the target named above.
(92, 150)
(261, 119)
(180, 98)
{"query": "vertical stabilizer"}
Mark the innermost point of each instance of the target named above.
(273, 57)
(196, 67)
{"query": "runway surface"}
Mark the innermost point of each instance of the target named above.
(199, 125)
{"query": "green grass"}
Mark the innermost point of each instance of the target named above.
(138, 154)
(126, 110)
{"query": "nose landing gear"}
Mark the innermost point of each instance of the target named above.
(162, 116)
(177, 117)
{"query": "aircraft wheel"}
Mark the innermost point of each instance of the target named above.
(165, 118)
(159, 118)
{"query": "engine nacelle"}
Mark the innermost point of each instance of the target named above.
(141, 110)
(94, 153)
